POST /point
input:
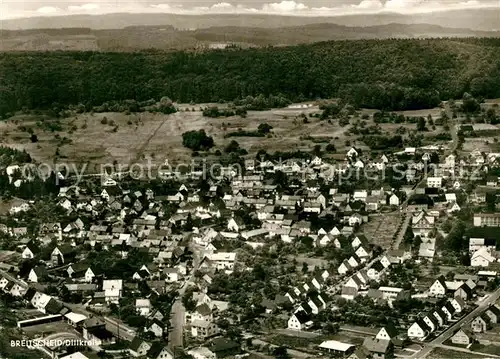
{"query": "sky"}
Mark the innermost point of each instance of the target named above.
(10, 9)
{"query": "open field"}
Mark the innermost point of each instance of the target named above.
(130, 138)
(485, 144)
(381, 229)
(492, 335)
(48, 328)
(440, 353)
(104, 138)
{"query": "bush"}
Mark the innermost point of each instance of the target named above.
(264, 128)
(197, 140)
(34, 138)
(330, 147)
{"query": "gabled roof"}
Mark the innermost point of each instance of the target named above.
(376, 345)
(466, 289)
(391, 330)
(157, 348)
(378, 266)
(136, 343)
(306, 307)
(449, 307)
(432, 318)
(316, 300)
(53, 306)
(440, 312)
(441, 280)
(495, 310)
(302, 317)
(460, 302)
(33, 247)
(40, 271)
(420, 322)
(203, 309)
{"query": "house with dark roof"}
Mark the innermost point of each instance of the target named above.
(202, 312)
(81, 271)
(38, 274)
(440, 316)
(464, 292)
(316, 303)
(139, 347)
(418, 330)
(306, 308)
(481, 323)
(494, 313)
(360, 353)
(379, 348)
(30, 251)
(458, 303)
(449, 310)
(159, 350)
(223, 348)
(375, 270)
(62, 255)
(53, 307)
(431, 322)
(438, 288)
(299, 321)
(387, 332)
(95, 330)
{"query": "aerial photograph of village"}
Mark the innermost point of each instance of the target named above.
(249, 179)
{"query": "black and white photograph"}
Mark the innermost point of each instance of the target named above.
(249, 179)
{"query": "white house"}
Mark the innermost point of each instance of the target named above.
(37, 274)
(434, 182)
(299, 321)
(29, 251)
(438, 288)
(223, 260)
(143, 306)
(482, 258)
(394, 200)
(418, 330)
(112, 290)
(171, 275)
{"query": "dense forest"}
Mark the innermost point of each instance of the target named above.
(383, 74)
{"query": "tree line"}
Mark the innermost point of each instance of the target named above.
(383, 74)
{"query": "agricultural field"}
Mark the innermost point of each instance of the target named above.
(122, 138)
(381, 229)
(130, 138)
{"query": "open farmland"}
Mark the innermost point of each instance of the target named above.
(131, 138)
(104, 138)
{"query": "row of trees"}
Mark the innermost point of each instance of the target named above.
(388, 74)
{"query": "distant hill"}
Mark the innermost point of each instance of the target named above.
(486, 19)
(166, 37)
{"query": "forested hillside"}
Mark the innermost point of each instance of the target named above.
(385, 74)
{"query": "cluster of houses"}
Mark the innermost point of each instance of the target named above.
(117, 219)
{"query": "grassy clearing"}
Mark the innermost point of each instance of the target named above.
(440, 353)
(381, 229)
(132, 138)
